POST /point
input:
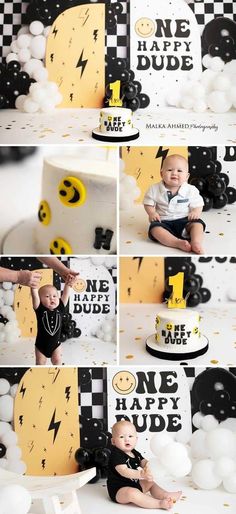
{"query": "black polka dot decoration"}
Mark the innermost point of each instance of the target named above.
(2, 450)
(219, 39)
(193, 290)
(24, 263)
(13, 83)
(214, 392)
(94, 450)
(47, 11)
(69, 330)
(130, 89)
(13, 375)
(206, 176)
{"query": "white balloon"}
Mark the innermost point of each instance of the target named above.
(6, 408)
(4, 386)
(38, 47)
(30, 106)
(13, 453)
(46, 31)
(20, 102)
(173, 452)
(4, 427)
(36, 28)
(220, 442)
(229, 423)
(24, 55)
(14, 47)
(216, 64)
(159, 441)
(156, 469)
(12, 57)
(40, 74)
(229, 483)
(199, 105)
(218, 102)
(13, 390)
(181, 468)
(17, 466)
(23, 30)
(23, 40)
(47, 105)
(31, 66)
(14, 498)
(8, 297)
(3, 463)
(203, 474)
(197, 419)
(222, 82)
(209, 422)
(10, 438)
(198, 444)
(7, 285)
(224, 467)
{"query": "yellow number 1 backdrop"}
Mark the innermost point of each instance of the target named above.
(144, 163)
(75, 55)
(142, 279)
(46, 420)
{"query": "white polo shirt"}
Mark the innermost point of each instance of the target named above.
(187, 198)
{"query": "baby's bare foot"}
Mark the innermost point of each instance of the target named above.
(174, 496)
(197, 248)
(184, 245)
(166, 504)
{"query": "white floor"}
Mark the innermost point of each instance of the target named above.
(93, 498)
(219, 238)
(137, 322)
(78, 352)
(168, 126)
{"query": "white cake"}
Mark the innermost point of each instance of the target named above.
(77, 212)
(177, 329)
(115, 124)
(177, 335)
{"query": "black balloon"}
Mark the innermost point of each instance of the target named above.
(102, 456)
(191, 285)
(225, 178)
(144, 100)
(216, 185)
(231, 194)
(193, 299)
(205, 294)
(200, 279)
(199, 183)
(208, 203)
(83, 456)
(218, 166)
(128, 90)
(220, 201)
(137, 85)
(133, 104)
(2, 450)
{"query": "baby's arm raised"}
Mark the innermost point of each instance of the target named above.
(35, 297)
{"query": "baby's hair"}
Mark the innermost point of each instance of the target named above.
(41, 289)
(176, 156)
(119, 424)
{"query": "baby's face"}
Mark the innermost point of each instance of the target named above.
(49, 297)
(125, 437)
(174, 171)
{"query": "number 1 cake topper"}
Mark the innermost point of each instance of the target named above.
(176, 299)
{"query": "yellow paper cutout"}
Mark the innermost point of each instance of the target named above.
(75, 55)
(142, 279)
(46, 420)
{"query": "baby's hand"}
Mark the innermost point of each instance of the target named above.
(145, 474)
(154, 217)
(194, 214)
(71, 279)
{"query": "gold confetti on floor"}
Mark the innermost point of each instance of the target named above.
(221, 234)
(226, 505)
(128, 242)
(137, 338)
(129, 356)
(65, 135)
(216, 333)
(121, 331)
(214, 361)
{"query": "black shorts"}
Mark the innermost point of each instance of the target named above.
(47, 347)
(175, 227)
(114, 488)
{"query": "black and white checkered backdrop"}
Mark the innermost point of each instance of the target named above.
(117, 39)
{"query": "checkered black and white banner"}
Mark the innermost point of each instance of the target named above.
(11, 20)
(207, 10)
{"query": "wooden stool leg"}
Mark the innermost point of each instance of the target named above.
(65, 504)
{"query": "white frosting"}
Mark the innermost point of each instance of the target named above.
(72, 222)
(177, 329)
(116, 121)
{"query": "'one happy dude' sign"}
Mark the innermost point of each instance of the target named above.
(165, 46)
(92, 299)
(153, 400)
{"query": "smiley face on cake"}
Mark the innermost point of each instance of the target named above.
(72, 192)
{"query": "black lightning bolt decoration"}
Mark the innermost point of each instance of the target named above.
(55, 31)
(95, 35)
(22, 390)
(54, 425)
(82, 63)
(54, 371)
(21, 417)
(140, 262)
(67, 392)
(161, 153)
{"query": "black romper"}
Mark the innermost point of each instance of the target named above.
(114, 480)
(49, 328)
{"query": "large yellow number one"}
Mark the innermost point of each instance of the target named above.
(115, 100)
(176, 299)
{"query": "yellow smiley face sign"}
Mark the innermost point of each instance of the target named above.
(72, 192)
(124, 382)
(145, 27)
(60, 247)
(44, 213)
(80, 285)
